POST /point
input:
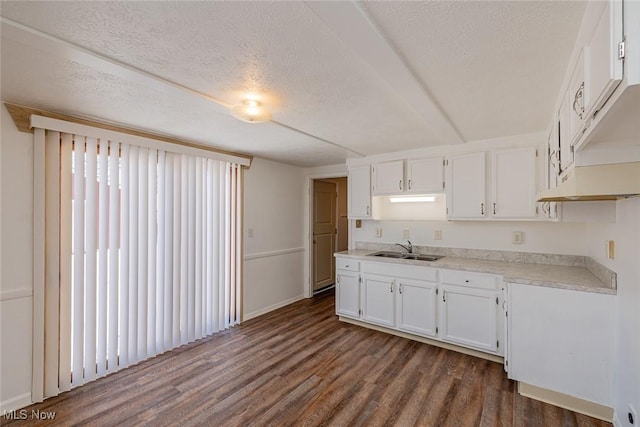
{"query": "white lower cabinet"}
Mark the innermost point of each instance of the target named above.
(347, 288)
(562, 340)
(470, 310)
(378, 300)
(468, 317)
(458, 307)
(416, 307)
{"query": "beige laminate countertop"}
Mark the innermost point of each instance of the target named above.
(553, 276)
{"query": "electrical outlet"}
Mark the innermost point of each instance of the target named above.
(437, 235)
(378, 232)
(405, 234)
(517, 238)
(358, 223)
(632, 416)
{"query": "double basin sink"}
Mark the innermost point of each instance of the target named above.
(404, 255)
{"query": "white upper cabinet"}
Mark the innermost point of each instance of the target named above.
(604, 66)
(388, 177)
(359, 192)
(512, 179)
(513, 183)
(425, 175)
(466, 186)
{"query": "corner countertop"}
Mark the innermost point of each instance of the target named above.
(553, 276)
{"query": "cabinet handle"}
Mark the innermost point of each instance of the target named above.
(444, 296)
(400, 184)
(494, 208)
(391, 287)
(338, 279)
(481, 208)
(367, 210)
(409, 183)
(578, 101)
(400, 288)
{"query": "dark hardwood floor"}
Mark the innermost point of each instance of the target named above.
(299, 365)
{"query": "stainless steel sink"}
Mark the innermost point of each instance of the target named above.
(421, 257)
(386, 254)
(401, 255)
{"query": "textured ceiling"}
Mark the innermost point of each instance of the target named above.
(491, 69)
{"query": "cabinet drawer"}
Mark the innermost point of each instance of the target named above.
(347, 264)
(401, 270)
(475, 280)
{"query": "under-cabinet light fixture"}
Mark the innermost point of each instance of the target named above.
(412, 199)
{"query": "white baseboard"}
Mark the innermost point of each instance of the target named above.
(265, 310)
(565, 401)
(15, 403)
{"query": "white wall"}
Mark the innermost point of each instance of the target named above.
(274, 256)
(626, 235)
(548, 237)
(16, 287)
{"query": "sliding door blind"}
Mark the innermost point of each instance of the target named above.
(142, 254)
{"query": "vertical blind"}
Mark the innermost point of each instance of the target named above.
(142, 254)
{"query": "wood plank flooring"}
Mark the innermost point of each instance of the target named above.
(300, 366)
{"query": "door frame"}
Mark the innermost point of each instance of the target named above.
(308, 225)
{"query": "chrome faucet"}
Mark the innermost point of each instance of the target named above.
(408, 248)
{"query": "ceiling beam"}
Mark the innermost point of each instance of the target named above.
(356, 29)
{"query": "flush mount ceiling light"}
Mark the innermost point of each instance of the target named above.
(251, 111)
(412, 199)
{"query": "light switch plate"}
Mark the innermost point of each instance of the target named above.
(378, 232)
(437, 235)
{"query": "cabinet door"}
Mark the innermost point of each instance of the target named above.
(378, 300)
(416, 307)
(468, 317)
(388, 177)
(348, 294)
(604, 67)
(513, 183)
(359, 192)
(425, 175)
(576, 101)
(466, 186)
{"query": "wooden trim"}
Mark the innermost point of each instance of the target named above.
(21, 116)
(565, 401)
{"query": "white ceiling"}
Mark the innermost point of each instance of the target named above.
(342, 79)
